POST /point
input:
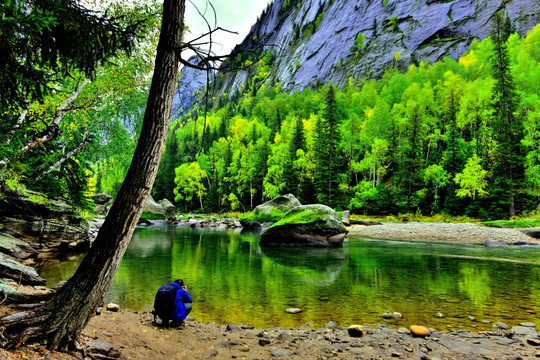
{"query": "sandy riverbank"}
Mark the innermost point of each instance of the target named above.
(468, 233)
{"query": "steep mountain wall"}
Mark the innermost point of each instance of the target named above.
(319, 40)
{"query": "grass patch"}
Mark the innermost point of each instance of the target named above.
(152, 216)
(511, 224)
(416, 218)
(273, 216)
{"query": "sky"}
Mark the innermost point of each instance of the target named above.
(233, 15)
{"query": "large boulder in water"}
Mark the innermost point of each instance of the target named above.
(273, 210)
(306, 225)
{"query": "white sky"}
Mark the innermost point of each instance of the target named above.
(234, 15)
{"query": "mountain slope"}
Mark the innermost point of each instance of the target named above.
(316, 41)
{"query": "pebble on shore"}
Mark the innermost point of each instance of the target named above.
(420, 331)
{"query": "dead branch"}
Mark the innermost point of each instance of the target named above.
(53, 130)
(64, 158)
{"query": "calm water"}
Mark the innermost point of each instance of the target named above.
(233, 280)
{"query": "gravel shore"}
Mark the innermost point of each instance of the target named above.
(468, 233)
(128, 335)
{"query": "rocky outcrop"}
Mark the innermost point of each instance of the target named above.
(306, 225)
(191, 83)
(101, 201)
(316, 41)
(12, 269)
(16, 248)
(44, 223)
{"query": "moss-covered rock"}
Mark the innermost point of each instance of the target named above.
(306, 225)
(273, 210)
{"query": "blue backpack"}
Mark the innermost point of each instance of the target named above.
(164, 302)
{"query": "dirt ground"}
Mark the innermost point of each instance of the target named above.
(133, 336)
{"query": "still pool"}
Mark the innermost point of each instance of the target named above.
(232, 279)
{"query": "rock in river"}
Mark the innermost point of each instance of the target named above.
(306, 225)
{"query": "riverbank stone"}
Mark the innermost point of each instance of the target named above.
(391, 316)
(99, 347)
(356, 330)
(493, 243)
(169, 208)
(279, 352)
(233, 328)
(419, 331)
(522, 331)
(294, 310)
(113, 307)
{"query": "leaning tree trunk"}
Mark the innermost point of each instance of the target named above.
(60, 321)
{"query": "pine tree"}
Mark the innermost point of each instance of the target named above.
(508, 129)
(328, 157)
(297, 142)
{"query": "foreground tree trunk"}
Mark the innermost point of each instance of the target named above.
(60, 321)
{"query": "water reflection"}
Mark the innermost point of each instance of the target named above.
(233, 280)
(315, 266)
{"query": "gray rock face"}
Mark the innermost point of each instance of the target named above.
(12, 269)
(16, 248)
(306, 225)
(191, 82)
(416, 29)
(45, 223)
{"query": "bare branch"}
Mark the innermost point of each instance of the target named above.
(64, 158)
(53, 130)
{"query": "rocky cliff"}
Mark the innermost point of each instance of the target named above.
(317, 41)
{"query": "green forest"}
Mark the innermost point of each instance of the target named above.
(454, 137)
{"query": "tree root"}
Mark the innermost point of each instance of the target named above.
(24, 298)
(99, 356)
(25, 306)
(73, 353)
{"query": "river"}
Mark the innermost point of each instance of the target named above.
(232, 279)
